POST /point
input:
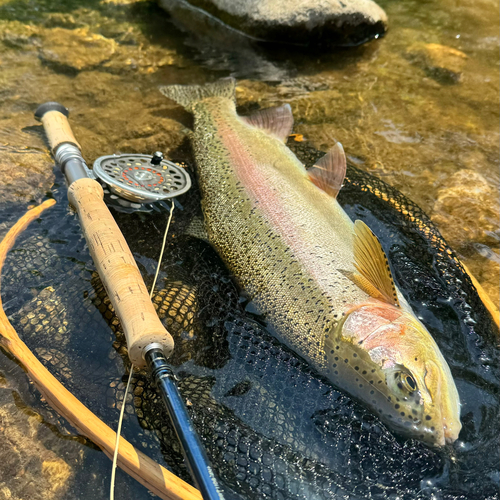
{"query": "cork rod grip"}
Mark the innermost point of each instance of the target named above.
(118, 271)
(57, 128)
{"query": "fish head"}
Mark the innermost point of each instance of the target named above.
(409, 382)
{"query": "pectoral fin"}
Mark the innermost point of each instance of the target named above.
(196, 228)
(276, 121)
(329, 172)
(370, 261)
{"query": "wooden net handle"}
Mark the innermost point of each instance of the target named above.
(58, 130)
(118, 271)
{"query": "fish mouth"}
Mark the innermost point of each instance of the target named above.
(446, 431)
(451, 431)
(449, 407)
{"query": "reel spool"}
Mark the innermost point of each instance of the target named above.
(140, 183)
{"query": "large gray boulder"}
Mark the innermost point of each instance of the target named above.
(300, 22)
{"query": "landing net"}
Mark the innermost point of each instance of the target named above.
(272, 427)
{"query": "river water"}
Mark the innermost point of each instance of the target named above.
(418, 108)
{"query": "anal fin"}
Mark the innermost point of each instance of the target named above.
(329, 171)
(375, 276)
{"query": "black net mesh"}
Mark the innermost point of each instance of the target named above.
(271, 426)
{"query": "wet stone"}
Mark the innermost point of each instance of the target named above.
(303, 22)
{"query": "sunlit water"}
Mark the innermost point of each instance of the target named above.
(432, 133)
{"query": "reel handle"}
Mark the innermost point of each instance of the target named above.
(111, 255)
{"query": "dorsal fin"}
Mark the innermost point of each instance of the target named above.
(329, 171)
(372, 265)
(276, 121)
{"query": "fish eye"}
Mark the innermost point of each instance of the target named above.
(406, 382)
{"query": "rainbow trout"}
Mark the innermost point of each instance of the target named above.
(323, 281)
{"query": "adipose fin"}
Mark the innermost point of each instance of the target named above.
(329, 171)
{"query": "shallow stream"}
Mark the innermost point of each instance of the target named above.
(418, 108)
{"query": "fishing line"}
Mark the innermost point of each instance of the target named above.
(162, 250)
(122, 410)
(118, 432)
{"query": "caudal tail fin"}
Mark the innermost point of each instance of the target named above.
(187, 95)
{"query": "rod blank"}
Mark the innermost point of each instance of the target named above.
(194, 454)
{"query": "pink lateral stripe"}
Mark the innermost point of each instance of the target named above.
(257, 188)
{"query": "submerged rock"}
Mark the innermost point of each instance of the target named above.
(39, 473)
(75, 49)
(467, 210)
(299, 22)
(25, 168)
(444, 64)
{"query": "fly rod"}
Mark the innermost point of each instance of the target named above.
(149, 343)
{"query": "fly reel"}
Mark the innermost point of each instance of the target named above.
(140, 183)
